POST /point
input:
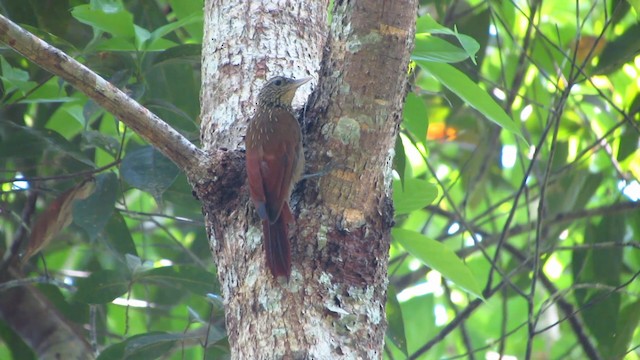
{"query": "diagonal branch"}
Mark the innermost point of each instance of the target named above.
(146, 124)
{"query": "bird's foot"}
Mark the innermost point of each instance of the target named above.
(327, 169)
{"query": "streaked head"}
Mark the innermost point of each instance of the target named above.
(279, 91)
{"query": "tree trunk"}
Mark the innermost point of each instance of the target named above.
(334, 303)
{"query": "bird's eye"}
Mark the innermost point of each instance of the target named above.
(278, 82)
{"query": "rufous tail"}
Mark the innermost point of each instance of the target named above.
(276, 244)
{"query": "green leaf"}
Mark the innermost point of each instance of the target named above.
(189, 278)
(623, 49)
(600, 266)
(414, 195)
(627, 325)
(628, 142)
(636, 7)
(471, 93)
(158, 33)
(21, 142)
(14, 78)
(168, 107)
(415, 116)
(93, 213)
(116, 44)
(469, 44)
(72, 310)
(142, 36)
(92, 139)
(118, 235)
(24, 141)
(395, 328)
(147, 169)
(183, 94)
(102, 287)
(607, 262)
(426, 24)
(189, 53)
(439, 258)
(400, 160)
(184, 9)
(419, 320)
(152, 345)
(430, 48)
(75, 111)
(115, 20)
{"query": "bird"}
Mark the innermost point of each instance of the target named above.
(274, 164)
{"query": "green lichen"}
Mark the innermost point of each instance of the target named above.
(322, 237)
(355, 44)
(347, 130)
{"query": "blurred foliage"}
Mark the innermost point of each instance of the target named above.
(516, 188)
(526, 138)
(136, 252)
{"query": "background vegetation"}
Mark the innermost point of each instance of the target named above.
(516, 181)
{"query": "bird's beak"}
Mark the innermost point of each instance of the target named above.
(292, 87)
(297, 83)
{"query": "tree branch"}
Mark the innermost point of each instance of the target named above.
(146, 124)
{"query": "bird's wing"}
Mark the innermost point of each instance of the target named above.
(256, 187)
(279, 161)
(272, 160)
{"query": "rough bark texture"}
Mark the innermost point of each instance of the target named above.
(245, 43)
(360, 101)
(333, 305)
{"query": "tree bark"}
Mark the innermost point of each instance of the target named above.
(333, 306)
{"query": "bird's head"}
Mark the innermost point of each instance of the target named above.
(279, 91)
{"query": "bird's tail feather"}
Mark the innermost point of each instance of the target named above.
(276, 244)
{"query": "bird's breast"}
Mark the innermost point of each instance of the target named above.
(270, 128)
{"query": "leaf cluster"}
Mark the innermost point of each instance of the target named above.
(107, 214)
(517, 184)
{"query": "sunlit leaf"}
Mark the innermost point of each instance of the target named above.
(426, 24)
(627, 324)
(430, 48)
(414, 195)
(439, 258)
(472, 94)
(622, 49)
(400, 160)
(118, 21)
(15, 78)
(395, 328)
(415, 116)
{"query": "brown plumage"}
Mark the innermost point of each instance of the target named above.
(275, 162)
